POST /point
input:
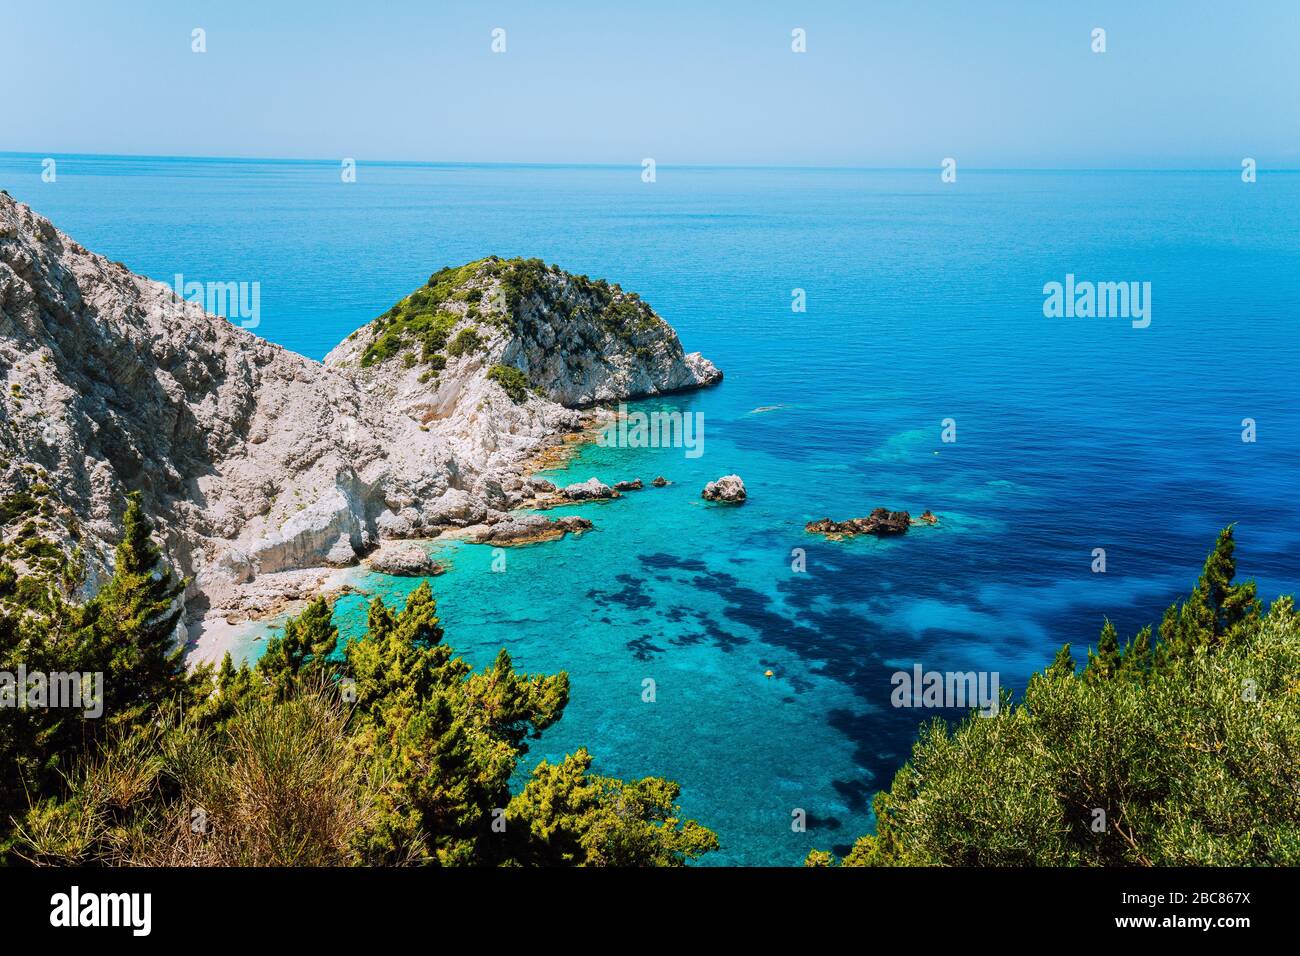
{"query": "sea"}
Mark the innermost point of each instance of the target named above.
(887, 341)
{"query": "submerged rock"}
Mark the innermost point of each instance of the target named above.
(881, 522)
(728, 488)
(404, 560)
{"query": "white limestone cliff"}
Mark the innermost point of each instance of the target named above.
(254, 461)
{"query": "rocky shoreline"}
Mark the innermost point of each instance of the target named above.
(405, 559)
(265, 471)
(213, 630)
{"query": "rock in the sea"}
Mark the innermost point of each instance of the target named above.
(727, 488)
(529, 529)
(590, 490)
(573, 523)
(404, 560)
(660, 481)
(929, 517)
(880, 522)
(634, 485)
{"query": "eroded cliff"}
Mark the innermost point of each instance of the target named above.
(256, 461)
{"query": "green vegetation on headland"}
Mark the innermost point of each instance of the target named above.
(621, 314)
(389, 750)
(499, 292)
(422, 319)
(399, 330)
(466, 342)
(1185, 752)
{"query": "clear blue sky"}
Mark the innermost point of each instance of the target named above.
(1184, 83)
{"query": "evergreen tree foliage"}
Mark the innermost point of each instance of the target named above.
(128, 633)
(572, 817)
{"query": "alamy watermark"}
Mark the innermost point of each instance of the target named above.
(655, 430)
(73, 690)
(950, 690)
(74, 908)
(1101, 300)
(240, 301)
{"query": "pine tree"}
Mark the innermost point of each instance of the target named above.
(226, 672)
(379, 620)
(1105, 663)
(1216, 612)
(1137, 657)
(305, 647)
(1063, 664)
(133, 623)
(418, 623)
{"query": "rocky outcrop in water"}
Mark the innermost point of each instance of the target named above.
(881, 522)
(728, 488)
(590, 490)
(403, 559)
(255, 461)
(517, 529)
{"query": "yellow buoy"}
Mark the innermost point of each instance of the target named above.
(768, 674)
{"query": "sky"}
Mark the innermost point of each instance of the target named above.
(883, 83)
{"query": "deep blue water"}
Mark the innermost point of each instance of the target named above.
(924, 302)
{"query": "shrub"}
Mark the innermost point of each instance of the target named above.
(466, 342)
(512, 381)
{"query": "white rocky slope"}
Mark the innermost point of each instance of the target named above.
(254, 460)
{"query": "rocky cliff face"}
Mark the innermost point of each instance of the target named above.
(255, 460)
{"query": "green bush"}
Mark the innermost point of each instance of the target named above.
(512, 381)
(420, 319)
(466, 342)
(20, 504)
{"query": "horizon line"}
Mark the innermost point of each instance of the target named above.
(635, 164)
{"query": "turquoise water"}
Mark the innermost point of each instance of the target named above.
(924, 302)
